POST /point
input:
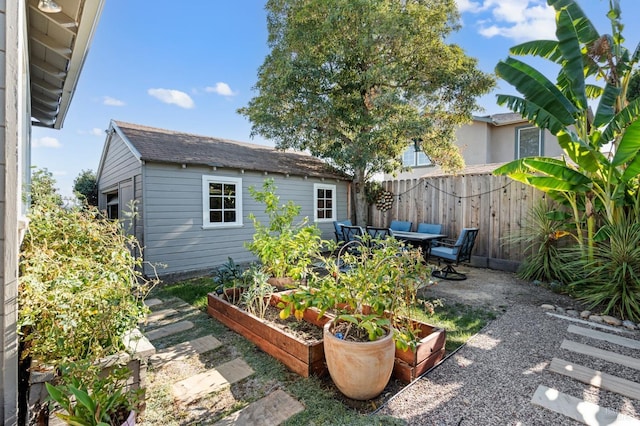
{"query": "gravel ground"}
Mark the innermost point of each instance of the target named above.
(490, 381)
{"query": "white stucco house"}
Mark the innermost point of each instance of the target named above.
(43, 45)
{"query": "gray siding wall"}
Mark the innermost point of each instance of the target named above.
(173, 231)
(14, 148)
(119, 164)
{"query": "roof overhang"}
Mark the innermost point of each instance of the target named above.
(58, 46)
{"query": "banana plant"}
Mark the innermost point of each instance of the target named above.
(594, 70)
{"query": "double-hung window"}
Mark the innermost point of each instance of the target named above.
(414, 158)
(324, 200)
(528, 142)
(221, 201)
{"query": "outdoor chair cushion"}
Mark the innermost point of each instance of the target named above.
(429, 228)
(337, 224)
(400, 225)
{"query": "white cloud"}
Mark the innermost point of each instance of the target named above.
(45, 142)
(175, 97)
(96, 132)
(220, 88)
(108, 100)
(519, 20)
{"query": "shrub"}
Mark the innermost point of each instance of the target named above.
(612, 278)
(80, 286)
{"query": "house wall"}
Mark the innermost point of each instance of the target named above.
(14, 142)
(502, 146)
(173, 231)
(473, 140)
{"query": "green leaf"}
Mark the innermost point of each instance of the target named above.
(547, 49)
(607, 106)
(629, 145)
(83, 398)
(537, 89)
(534, 113)
(569, 46)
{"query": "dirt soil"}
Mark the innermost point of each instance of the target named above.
(496, 290)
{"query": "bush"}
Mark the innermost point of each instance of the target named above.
(80, 286)
(611, 279)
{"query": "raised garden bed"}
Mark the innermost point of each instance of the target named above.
(410, 364)
(302, 357)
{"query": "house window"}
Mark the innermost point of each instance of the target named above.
(222, 201)
(324, 199)
(413, 158)
(528, 142)
(113, 205)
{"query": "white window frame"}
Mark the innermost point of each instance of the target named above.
(209, 179)
(418, 158)
(540, 140)
(334, 201)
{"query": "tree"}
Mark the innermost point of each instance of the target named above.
(593, 183)
(633, 91)
(43, 188)
(85, 188)
(354, 81)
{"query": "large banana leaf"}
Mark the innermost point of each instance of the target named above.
(572, 65)
(579, 151)
(607, 106)
(537, 89)
(629, 145)
(624, 118)
(547, 49)
(587, 33)
(534, 113)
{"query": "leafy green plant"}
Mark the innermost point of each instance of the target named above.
(611, 279)
(92, 400)
(367, 289)
(226, 275)
(592, 184)
(80, 286)
(541, 233)
(257, 291)
(284, 248)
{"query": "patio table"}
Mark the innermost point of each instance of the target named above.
(418, 238)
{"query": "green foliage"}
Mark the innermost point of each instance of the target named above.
(80, 287)
(611, 279)
(633, 91)
(593, 185)
(354, 81)
(285, 248)
(540, 235)
(43, 188)
(90, 399)
(256, 291)
(367, 287)
(86, 188)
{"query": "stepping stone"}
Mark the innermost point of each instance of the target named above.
(135, 341)
(611, 338)
(596, 378)
(186, 349)
(160, 315)
(200, 385)
(271, 410)
(576, 347)
(169, 330)
(577, 409)
(152, 302)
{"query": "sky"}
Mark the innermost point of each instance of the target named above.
(189, 65)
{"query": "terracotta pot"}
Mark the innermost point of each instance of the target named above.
(360, 370)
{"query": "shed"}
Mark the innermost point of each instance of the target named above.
(191, 193)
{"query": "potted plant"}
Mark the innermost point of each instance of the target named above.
(367, 287)
(90, 398)
(285, 248)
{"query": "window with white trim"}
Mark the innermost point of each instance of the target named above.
(221, 201)
(413, 158)
(528, 142)
(324, 200)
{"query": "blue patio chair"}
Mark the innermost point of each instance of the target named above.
(400, 225)
(352, 235)
(379, 233)
(337, 224)
(453, 253)
(429, 228)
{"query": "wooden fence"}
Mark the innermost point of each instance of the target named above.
(497, 205)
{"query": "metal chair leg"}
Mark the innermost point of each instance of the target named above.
(448, 273)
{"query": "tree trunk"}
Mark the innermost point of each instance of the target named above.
(361, 205)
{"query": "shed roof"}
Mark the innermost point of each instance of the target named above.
(502, 119)
(169, 146)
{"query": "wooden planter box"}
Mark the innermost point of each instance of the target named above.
(409, 364)
(301, 357)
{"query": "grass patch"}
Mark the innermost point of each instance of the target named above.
(193, 291)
